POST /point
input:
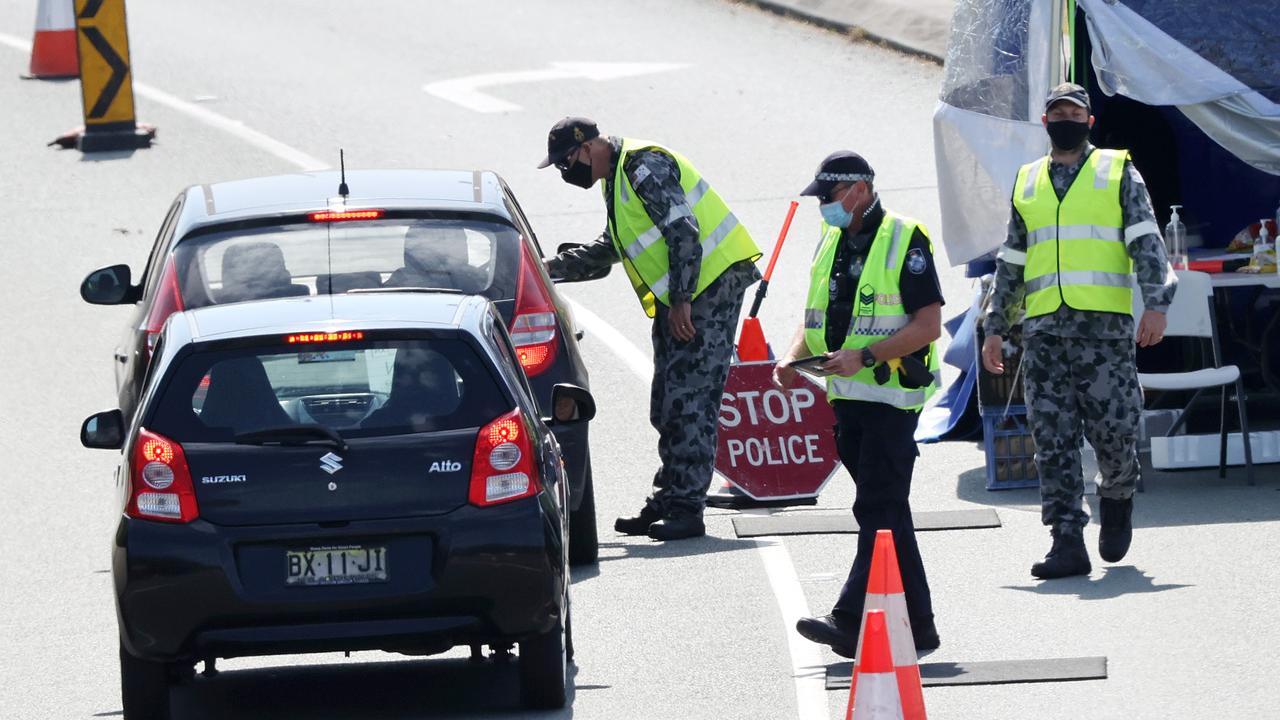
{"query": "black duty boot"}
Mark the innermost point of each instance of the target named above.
(840, 636)
(1067, 557)
(926, 635)
(638, 525)
(678, 527)
(1117, 528)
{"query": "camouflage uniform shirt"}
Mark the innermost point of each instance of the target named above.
(1149, 263)
(656, 179)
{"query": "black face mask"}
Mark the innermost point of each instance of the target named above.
(1068, 134)
(579, 173)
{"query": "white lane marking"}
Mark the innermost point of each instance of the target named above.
(465, 91)
(629, 354)
(808, 668)
(233, 127)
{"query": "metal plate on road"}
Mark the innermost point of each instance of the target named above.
(998, 672)
(345, 565)
(775, 444)
(808, 523)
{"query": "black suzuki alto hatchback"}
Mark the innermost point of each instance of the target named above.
(432, 514)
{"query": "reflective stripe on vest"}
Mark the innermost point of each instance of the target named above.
(1077, 252)
(643, 249)
(877, 313)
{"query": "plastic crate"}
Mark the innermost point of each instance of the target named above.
(1006, 438)
(997, 391)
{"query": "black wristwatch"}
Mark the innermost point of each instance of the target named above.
(868, 358)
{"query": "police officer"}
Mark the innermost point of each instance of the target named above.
(1081, 227)
(873, 297)
(689, 261)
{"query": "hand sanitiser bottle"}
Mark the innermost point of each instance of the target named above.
(1175, 240)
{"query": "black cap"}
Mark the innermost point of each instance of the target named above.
(1070, 92)
(566, 136)
(840, 166)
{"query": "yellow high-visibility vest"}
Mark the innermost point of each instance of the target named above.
(1076, 248)
(877, 313)
(643, 250)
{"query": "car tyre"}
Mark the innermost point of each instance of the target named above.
(544, 666)
(144, 688)
(584, 542)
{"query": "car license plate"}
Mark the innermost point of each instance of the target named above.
(344, 565)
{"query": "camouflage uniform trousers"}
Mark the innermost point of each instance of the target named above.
(1075, 387)
(688, 381)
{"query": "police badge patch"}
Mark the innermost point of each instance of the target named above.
(916, 262)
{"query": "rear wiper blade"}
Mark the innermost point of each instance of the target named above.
(293, 435)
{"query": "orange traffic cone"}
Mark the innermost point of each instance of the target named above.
(53, 51)
(885, 593)
(873, 692)
(752, 347)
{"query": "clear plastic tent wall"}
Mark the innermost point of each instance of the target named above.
(1214, 60)
(1002, 58)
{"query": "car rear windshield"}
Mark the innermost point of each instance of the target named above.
(360, 389)
(473, 254)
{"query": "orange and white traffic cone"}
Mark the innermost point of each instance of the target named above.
(884, 592)
(873, 692)
(53, 50)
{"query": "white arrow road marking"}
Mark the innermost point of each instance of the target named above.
(465, 91)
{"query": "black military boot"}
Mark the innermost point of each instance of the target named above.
(1067, 557)
(841, 636)
(1117, 528)
(678, 527)
(925, 634)
(638, 525)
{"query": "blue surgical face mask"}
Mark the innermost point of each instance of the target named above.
(835, 215)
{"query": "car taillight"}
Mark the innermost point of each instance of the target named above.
(502, 469)
(160, 481)
(168, 300)
(533, 327)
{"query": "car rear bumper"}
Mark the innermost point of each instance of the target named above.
(472, 576)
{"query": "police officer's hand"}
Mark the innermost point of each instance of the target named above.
(784, 376)
(680, 321)
(993, 354)
(1151, 328)
(843, 362)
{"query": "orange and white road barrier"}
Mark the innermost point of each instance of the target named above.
(873, 692)
(53, 50)
(885, 593)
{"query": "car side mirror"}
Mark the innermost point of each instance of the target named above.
(110, 286)
(103, 431)
(570, 405)
(593, 276)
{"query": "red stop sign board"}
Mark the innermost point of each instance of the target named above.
(775, 444)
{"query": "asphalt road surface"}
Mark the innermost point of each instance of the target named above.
(695, 629)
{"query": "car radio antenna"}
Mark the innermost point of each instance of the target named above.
(342, 182)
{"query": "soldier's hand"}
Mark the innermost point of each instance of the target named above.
(843, 362)
(993, 354)
(1151, 328)
(680, 321)
(784, 376)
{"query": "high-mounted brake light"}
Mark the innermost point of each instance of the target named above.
(345, 336)
(341, 215)
(533, 327)
(502, 469)
(160, 481)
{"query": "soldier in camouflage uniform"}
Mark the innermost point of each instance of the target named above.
(692, 331)
(1079, 371)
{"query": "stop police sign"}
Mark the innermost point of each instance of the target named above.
(775, 444)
